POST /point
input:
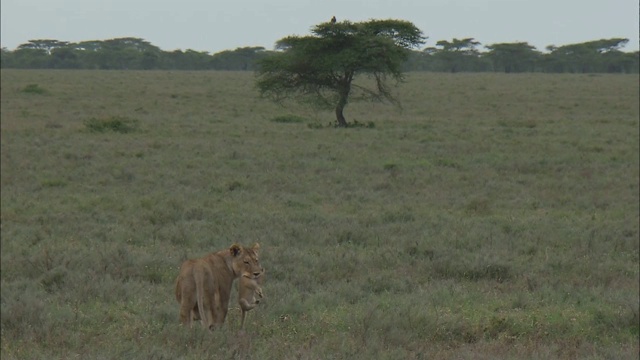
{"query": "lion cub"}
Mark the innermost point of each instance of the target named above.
(248, 288)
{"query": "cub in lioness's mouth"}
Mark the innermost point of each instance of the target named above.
(249, 293)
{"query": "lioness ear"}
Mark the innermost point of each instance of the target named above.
(235, 249)
(256, 247)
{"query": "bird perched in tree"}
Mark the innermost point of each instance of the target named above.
(333, 20)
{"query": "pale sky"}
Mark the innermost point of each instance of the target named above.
(214, 25)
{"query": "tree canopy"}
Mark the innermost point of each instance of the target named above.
(456, 54)
(513, 57)
(320, 68)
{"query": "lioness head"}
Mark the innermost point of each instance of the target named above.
(245, 260)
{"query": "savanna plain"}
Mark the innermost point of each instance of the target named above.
(493, 216)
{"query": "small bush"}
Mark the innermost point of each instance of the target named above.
(288, 119)
(478, 206)
(54, 280)
(400, 216)
(354, 124)
(459, 270)
(117, 124)
(33, 89)
(448, 163)
(351, 237)
(234, 185)
(53, 183)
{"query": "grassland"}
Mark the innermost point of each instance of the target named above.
(494, 216)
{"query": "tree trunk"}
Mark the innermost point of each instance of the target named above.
(342, 102)
(342, 122)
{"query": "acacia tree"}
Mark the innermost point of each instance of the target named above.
(457, 53)
(600, 55)
(513, 57)
(44, 44)
(320, 68)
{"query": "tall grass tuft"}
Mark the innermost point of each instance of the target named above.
(33, 89)
(118, 124)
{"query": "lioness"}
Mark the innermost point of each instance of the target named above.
(204, 285)
(248, 288)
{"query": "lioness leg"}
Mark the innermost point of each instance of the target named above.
(186, 305)
(219, 313)
(204, 287)
(205, 313)
(195, 313)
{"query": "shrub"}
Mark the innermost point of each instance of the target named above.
(234, 185)
(288, 119)
(474, 271)
(117, 124)
(33, 89)
(354, 124)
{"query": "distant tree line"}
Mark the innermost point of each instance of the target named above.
(457, 55)
(462, 55)
(122, 54)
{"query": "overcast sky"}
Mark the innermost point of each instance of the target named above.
(214, 25)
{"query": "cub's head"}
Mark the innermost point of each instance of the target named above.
(245, 260)
(249, 278)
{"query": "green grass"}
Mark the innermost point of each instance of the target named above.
(288, 119)
(494, 216)
(117, 124)
(33, 89)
